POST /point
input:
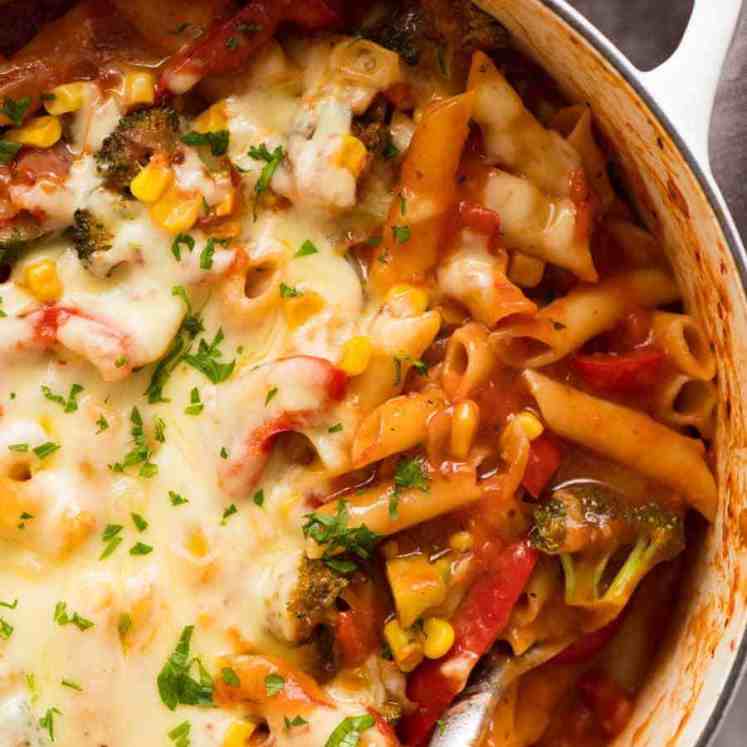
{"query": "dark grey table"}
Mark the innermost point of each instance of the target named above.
(647, 31)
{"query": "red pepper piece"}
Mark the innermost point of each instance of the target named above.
(630, 372)
(478, 622)
(479, 218)
(544, 460)
(610, 703)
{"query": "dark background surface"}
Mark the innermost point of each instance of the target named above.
(648, 31)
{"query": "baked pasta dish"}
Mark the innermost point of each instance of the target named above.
(332, 359)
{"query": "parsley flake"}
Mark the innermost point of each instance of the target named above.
(68, 405)
(72, 685)
(175, 683)
(274, 684)
(112, 539)
(45, 449)
(259, 498)
(410, 473)
(272, 161)
(15, 111)
(179, 735)
(8, 151)
(295, 721)
(196, 406)
(307, 248)
(348, 731)
(140, 548)
(228, 513)
(401, 234)
(218, 140)
(6, 629)
(140, 523)
(182, 239)
(47, 721)
(102, 423)
(230, 677)
(62, 617)
(206, 360)
(288, 291)
(176, 499)
(271, 393)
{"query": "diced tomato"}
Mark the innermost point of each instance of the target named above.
(590, 645)
(228, 45)
(478, 622)
(544, 460)
(351, 639)
(610, 703)
(478, 218)
(627, 373)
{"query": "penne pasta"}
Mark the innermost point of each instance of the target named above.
(628, 437)
(250, 289)
(566, 324)
(477, 279)
(420, 209)
(469, 361)
(639, 248)
(399, 424)
(685, 402)
(685, 343)
(514, 139)
(526, 271)
(543, 227)
(575, 124)
(372, 506)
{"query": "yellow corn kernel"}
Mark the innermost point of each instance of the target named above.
(238, 734)
(66, 98)
(461, 541)
(152, 181)
(227, 205)
(530, 424)
(407, 300)
(352, 155)
(464, 423)
(212, 119)
(356, 355)
(526, 271)
(439, 637)
(176, 211)
(417, 585)
(40, 132)
(299, 309)
(406, 649)
(197, 543)
(43, 281)
(139, 88)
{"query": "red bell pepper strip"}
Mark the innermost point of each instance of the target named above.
(478, 622)
(627, 373)
(610, 703)
(228, 45)
(544, 460)
(590, 645)
(353, 639)
(479, 218)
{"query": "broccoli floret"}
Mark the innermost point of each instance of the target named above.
(315, 595)
(605, 546)
(406, 30)
(137, 137)
(89, 235)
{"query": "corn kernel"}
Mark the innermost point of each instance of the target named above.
(176, 211)
(407, 300)
(227, 205)
(197, 543)
(152, 181)
(464, 423)
(461, 541)
(66, 98)
(238, 734)
(139, 88)
(356, 355)
(300, 309)
(439, 637)
(526, 271)
(406, 649)
(43, 281)
(530, 424)
(352, 155)
(40, 132)
(212, 120)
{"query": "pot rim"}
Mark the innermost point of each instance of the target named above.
(631, 75)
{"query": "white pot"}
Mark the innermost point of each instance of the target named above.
(658, 124)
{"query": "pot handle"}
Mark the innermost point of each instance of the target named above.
(685, 85)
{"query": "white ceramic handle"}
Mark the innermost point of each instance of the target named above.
(685, 85)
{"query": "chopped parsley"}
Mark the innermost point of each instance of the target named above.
(348, 731)
(47, 721)
(393, 505)
(121, 361)
(298, 720)
(230, 677)
(176, 499)
(441, 726)
(24, 517)
(18, 447)
(333, 532)
(140, 452)
(9, 605)
(218, 140)
(72, 685)
(232, 43)
(123, 625)
(15, 111)
(207, 254)
(272, 161)
(68, 405)
(410, 473)
(182, 239)
(175, 683)
(140, 548)
(307, 248)
(62, 617)
(288, 291)
(271, 393)
(390, 151)
(274, 684)
(102, 423)
(336, 428)
(206, 360)
(195, 406)
(402, 204)
(401, 234)
(6, 629)
(223, 452)
(259, 498)
(179, 735)
(112, 539)
(8, 151)
(159, 426)
(45, 449)
(228, 513)
(140, 523)
(2, 316)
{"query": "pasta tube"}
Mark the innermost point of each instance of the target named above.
(685, 343)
